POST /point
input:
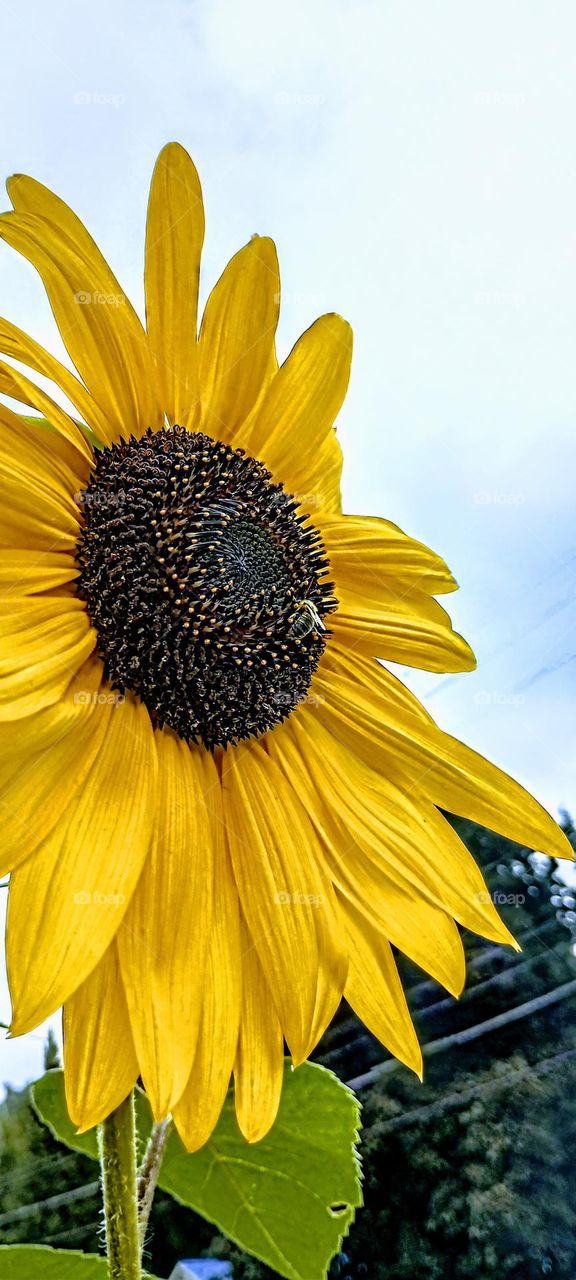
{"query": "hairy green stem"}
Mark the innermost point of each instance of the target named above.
(118, 1164)
(149, 1171)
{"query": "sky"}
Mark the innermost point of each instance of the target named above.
(414, 163)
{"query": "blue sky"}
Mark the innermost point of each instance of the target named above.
(414, 163)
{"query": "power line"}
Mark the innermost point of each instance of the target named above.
(456, 1100)
(470, 1033)
(349, 1025)
(53, 1202)
(39, 1163)
(501, 979)
(77, 1233)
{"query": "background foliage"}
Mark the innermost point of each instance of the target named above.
(469, 1175)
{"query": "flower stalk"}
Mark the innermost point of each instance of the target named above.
(117, 1137)
(149, 1172)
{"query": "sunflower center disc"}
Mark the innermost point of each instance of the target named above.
(206, 588)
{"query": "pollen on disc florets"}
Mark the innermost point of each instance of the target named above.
(206, 587)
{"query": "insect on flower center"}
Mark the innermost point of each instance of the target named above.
(207, 589)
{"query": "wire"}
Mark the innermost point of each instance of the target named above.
(434, 1047)
(11, 1178)
(53, 1202)
(456, 1100)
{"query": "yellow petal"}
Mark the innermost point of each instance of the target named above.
(43, 643)
(174, 236)
(15, 384)
(237, 338)
(330, 940)
(38, 787)
(24, 572)
(30, 196)
(66, 903)
(405, 626)
(100, 1064)
(293, 430)
(36, 732)
(40, 476)
(14, 342)
(28, 612)
(33, 518)
(99, 328)
(383, 583)
(259, 1067)
(370, 711)
(366, 552)
(24, 524)
(283, 887)
(409, 840)
(332, 964)
(198, 1110)
(33, 443)
(165, 933)
(375, 992)
(421, 930)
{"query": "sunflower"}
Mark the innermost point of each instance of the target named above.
(219, 809)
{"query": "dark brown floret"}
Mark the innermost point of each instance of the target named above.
(205, 586)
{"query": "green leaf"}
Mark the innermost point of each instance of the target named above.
(49, 1102)
(38, 1262)
(34, 421)
(289, 1199)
